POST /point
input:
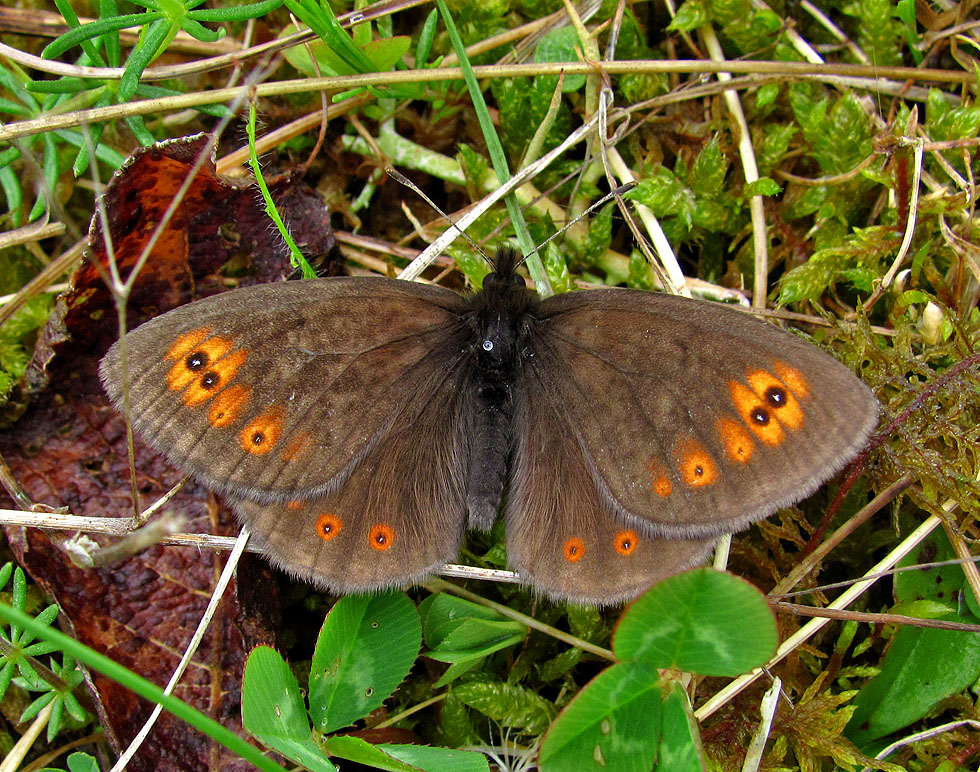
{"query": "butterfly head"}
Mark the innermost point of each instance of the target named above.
(500, 313)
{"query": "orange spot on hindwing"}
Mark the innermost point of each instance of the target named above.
(297, 446)
(228, 405)
(757, 415)
(696, 465)
(328, 526)
(661, 482)
(574, 549)
(261, 434)
(777, 397)
(625, 542)
(381, 537)
(736, 439)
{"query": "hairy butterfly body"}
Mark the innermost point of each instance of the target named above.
(360, 425)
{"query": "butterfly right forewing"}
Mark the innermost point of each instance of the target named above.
(693, 417)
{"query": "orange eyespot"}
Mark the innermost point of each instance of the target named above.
(216, 377)
(185, 343)
(756, 414)
(736, 439)
(195, 361)
(625, 542)
(228, 405)
(793, 378)
(328, 526)
(381, 537)
(697, 467)
(574, 549)
(777, 397)
(261, 434)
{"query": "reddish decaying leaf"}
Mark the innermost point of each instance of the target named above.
(69, 450)
(218, 220)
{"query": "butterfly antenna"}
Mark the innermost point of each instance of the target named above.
(622, 189)
(401, 178)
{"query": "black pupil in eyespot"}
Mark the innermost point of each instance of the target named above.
(258, 438)
(197, 361)
(760, 416)
(775, 396)
(210, 380)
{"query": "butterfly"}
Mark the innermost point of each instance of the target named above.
(358, 426)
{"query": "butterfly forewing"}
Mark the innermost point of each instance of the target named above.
(275, 392)
(692, 416)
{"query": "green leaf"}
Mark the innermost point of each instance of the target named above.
(559, 45)
(273, 711)
(242, 12)
(680, 742)
(612, 724)
(764, 186)
(691, 15)
(665, 194)
(405, 758)
(320, 18)
(922, 667)
(702, 621)
(464, 633)
(707, 177)
(438, 759)
(365, 649)
(508, 704)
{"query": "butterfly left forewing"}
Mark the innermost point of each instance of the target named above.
(562, 536)
(694, 417)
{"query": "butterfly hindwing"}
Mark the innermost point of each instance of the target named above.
(693, 417)
(399, 515)
(563, 537)
(275, 392)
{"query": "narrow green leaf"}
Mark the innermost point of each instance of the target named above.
(242, 12)
(508, 704)
(75, 36)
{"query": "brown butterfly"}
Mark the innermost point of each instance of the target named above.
(359, 426)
